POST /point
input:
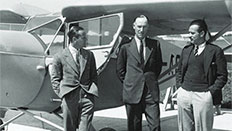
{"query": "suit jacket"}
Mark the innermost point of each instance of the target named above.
(134, 75)
(65, 76)
(215, 68)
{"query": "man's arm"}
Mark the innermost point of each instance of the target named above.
(121, 63)
(178, 71)
(93, 72)
(55, 70)
(159, 59)
(221, 72)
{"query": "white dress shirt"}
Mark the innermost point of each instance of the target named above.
(138, 42)
(201, 48)
(74, 52)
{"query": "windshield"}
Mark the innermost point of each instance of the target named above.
(51, 33)
(38, 20)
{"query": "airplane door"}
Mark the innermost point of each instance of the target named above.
(102, 33)
(103, 40)
(21, 55)
(51, 37)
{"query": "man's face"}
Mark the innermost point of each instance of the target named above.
(195, 36)
(80, 42)
(141, 27)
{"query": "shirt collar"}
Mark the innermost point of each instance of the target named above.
(138, 40)
(72, 49)
(202, 45)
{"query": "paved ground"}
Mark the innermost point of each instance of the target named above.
(114, 118)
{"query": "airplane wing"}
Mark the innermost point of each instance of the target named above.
(166, 16)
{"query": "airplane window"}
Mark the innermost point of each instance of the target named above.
(11, 26)
(47, 34)
(57, 44)
(38, 20)
(101, 31)
(102, 34)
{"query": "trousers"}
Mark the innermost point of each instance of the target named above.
(78, 111)
(195, 110)
(148, 106)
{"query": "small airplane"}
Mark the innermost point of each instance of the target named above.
(25, 56)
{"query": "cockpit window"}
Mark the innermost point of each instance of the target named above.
(39, 20)
(47, 31)
(100, 31)
(51, 34)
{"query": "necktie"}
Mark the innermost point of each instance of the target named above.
(141, 52)
(196, 50)
(78, 61)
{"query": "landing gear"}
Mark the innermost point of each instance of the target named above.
(22, 112)
(2, 115)
(1, 122)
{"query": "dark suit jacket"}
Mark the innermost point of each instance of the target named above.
(64, 74)
(215, 68)
(134, 75)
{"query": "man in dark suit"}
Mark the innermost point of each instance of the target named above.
(201, 75)
(74, 78)
(138, 67)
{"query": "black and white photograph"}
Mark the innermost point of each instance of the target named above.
(115, 65)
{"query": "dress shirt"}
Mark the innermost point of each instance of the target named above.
(138, 42)
(74, 52)
(201, 48)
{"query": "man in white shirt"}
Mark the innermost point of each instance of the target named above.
(201, 74)
(74, 79)
(138, 67)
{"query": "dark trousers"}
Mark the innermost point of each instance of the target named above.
(77, 111)
(148, 106)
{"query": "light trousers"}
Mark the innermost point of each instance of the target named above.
(195, 111)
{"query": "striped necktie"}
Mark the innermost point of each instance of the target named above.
(196, 50)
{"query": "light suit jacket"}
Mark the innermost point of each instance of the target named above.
(134, 75)
(65, 76)
(215, 68)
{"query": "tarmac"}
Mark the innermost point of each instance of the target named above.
(111, 118)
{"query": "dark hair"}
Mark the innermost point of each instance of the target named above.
(202, 25)
(73, 32)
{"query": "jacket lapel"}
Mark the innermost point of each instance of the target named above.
(208, 56)
(186, 55)
(83, 60)
(70, 60)
(134, 50)
(148, 51)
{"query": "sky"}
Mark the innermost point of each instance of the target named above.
(49, 5)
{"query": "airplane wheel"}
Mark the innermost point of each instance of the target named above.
(107, 129)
